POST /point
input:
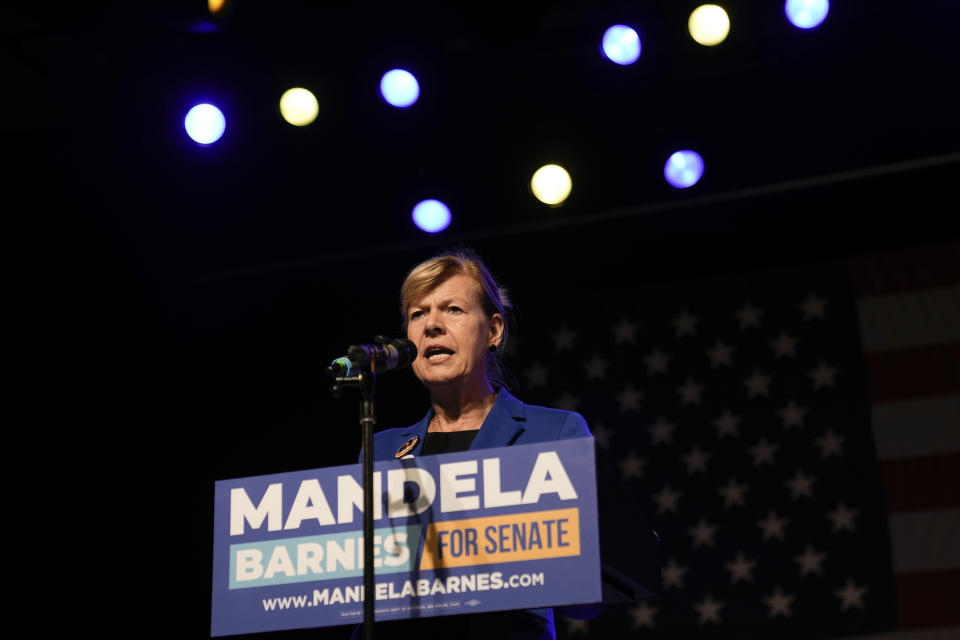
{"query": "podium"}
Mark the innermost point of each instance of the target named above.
(468, 532)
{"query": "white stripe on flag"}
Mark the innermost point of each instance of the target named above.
(917, 427)
(904, 320)
(925, 540)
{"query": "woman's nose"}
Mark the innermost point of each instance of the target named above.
(433, 325)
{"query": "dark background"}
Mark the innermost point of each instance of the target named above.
(181, 302)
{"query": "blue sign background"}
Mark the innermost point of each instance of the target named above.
(293, 598)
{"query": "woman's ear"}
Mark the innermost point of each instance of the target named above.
(496, 330)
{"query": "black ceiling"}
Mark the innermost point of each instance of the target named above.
(504, 90)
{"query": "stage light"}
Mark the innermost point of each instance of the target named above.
(431, 216)
(621, 44)
(204, 123)
(298, 106)
(683, 169)
(806, 14)
(709, 24)
(399, 87)
(197, 16)
(551, 184)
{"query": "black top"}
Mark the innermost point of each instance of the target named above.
(447, 441)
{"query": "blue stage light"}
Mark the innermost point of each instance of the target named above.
(431, 216)
(204, 123)
(621, 44)
(399, 87)
(806, 14)
(683, 169)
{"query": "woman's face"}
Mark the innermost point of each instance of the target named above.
(452, 334)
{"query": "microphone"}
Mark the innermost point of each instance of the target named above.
(386, 354)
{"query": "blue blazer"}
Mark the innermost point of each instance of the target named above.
(509, 422)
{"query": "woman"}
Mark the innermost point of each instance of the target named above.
(455, 314)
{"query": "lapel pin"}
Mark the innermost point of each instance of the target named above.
(406, 447)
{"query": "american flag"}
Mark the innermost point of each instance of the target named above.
(794, 437)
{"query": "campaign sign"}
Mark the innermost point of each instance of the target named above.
(465, 532)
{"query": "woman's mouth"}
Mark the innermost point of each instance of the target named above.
(436, 353)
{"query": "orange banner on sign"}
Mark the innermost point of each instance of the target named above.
(508, 538)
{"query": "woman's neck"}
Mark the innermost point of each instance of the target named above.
(461, 409)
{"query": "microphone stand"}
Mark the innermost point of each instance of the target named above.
(366, 381)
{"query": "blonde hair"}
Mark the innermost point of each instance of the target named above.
(430, 274)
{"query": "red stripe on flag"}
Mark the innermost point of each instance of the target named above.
(907, 270)
(929, 482)
(913, 373)
(928, 599)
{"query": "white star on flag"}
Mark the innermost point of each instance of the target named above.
(696, 460)
(661, 431)
(667, 500)
(691, 392)
(792, 415)
(851, 595)
(567, 401)
(810, 561)
(575, 626)
(800, 485)
(784, 346)
(536, 375)
(602, 434)
(629, 399)
(657, 362)
(813, 307)
(762, 452)
(773, 526)
(721, 355)
(672, 574)
(741, 568)
(642, 615)
(708, 610)
(703, 533)
(624, 332)
(823, 376)
(749, 316)
(727, 424)
(632, 466)
(780, 603)
(685, 324)
(596, 368)
(732, 493)
(758, 384)
(842, 518)
(563, 338)
(830, 444)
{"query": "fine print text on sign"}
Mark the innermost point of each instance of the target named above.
(466, 532)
